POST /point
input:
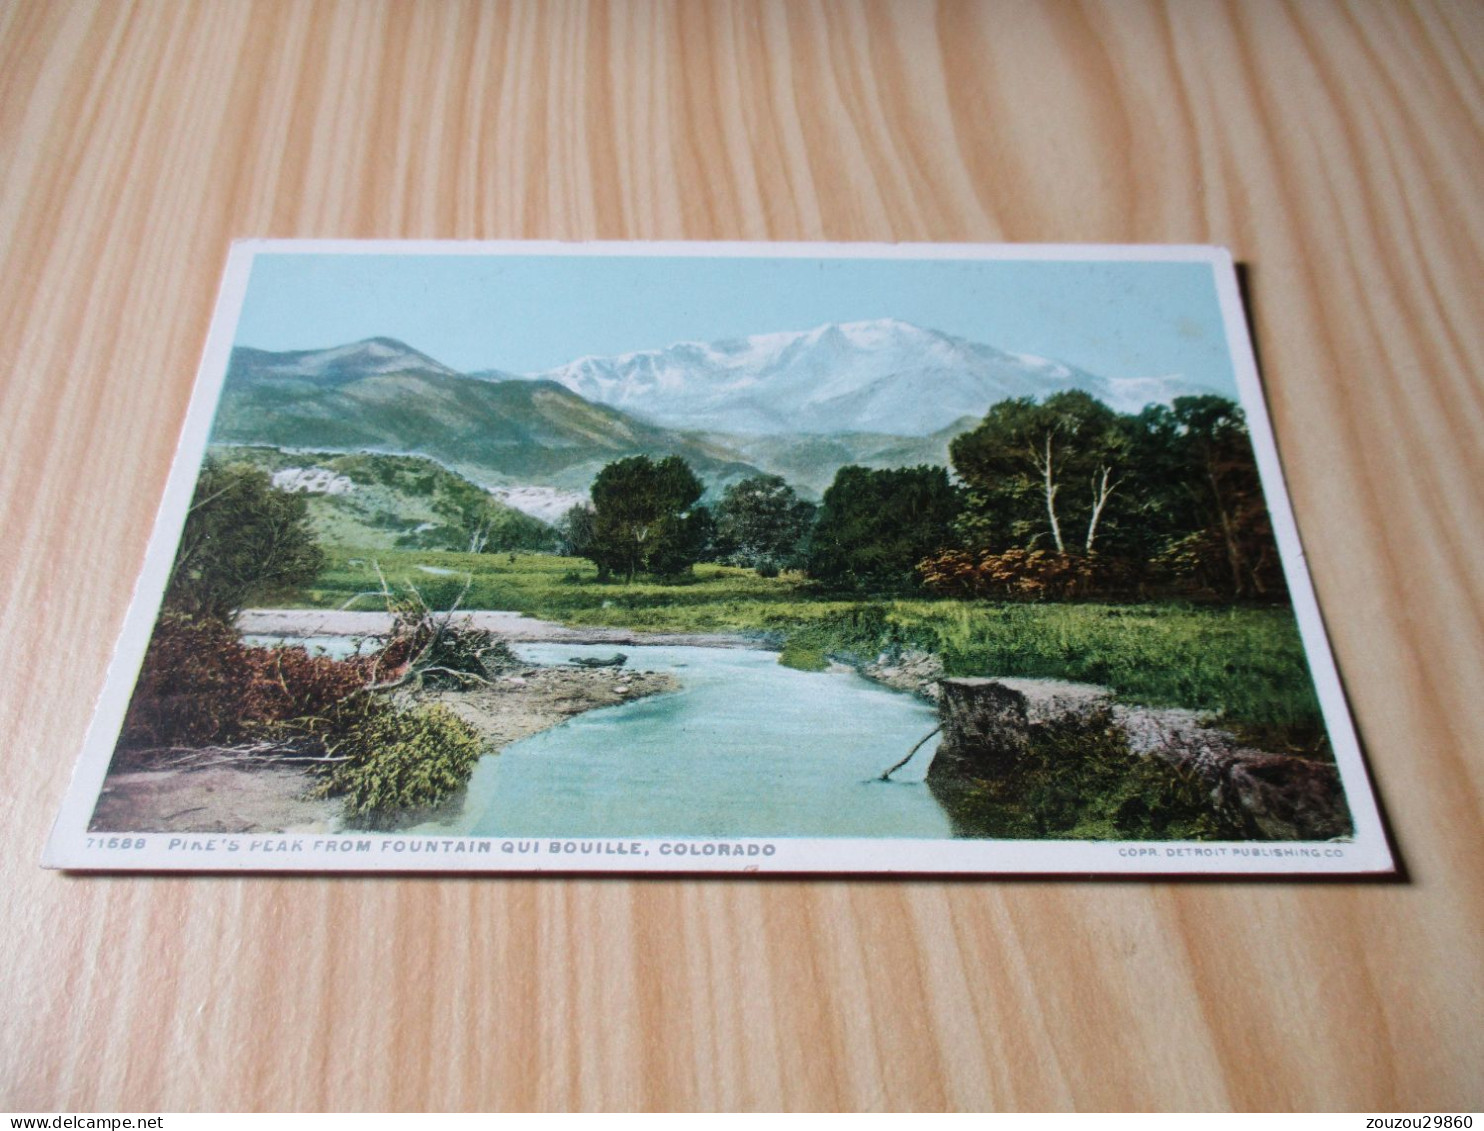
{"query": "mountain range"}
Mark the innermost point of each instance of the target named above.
(380, 395)
(801, 404)
(884, 376)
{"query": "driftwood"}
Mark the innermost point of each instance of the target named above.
(354, 597)
(420, 665)
(463, 677)
(245, 756)
(616, 661)
(886, 775)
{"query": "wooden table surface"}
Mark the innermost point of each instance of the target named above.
(1338, 149)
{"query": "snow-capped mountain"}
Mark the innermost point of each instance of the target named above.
(883, 376)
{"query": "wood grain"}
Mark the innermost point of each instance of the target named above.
(1337, 148)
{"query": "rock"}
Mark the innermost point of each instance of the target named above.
(1278, 796)
(1286, 797)
(913, 671)
(988, 723)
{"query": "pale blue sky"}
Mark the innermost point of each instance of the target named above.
(529, 313)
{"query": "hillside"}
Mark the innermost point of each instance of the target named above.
(376, 502)
(382, 396)
(809, 462)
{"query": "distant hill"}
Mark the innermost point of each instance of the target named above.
(381, 395)
(884, 376)
(809, 462)
(328, 366)
(378, 502)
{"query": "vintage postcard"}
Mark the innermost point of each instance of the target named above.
(733, 558)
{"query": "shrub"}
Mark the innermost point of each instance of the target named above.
(442, 654)
(294, 686)
(803, 656)
(400, 759)
(200, 684)
(1202, 564)
(192, 685)
(242, 539)
(1025, 575)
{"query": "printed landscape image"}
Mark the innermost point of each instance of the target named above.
(861, 577)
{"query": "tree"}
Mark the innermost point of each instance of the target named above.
(1035, 471)
(875, 526)
(492, 527)
(1224, 490)
(1173, 486)
(646, 518)
(762, 524)
(575, 531)
(241, 539)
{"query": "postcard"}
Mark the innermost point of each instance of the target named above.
(724, 558)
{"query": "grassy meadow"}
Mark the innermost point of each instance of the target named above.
(1243, 664)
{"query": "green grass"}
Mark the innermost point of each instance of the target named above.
(1243, 664)
(717, 599)
(1246, 664)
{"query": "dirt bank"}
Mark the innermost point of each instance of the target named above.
(518, 706)
(516, 628)
(141, 795)
(211, 799)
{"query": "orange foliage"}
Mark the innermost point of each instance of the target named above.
(200, 684)
(1022, 575)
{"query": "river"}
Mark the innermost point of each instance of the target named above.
(746, 748)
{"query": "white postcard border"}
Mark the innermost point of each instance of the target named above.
(72, 846)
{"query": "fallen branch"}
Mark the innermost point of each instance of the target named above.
(254, 754)
(418, 621)
(887, 775)
(469, 676)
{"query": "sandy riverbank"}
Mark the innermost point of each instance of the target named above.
(141, 796)
(516, 628)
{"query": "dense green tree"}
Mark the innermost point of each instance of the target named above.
(1232, 546)
(1044, 475)
(242, 539)
(575, 531)
(875, 526)
(762, 524)
(646, 518)
(1169, 494)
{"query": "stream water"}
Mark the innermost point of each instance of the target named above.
(746, 747)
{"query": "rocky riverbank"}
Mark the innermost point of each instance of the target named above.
(914, 672)
(214, 790)
(1018, 753)
(519, 705)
